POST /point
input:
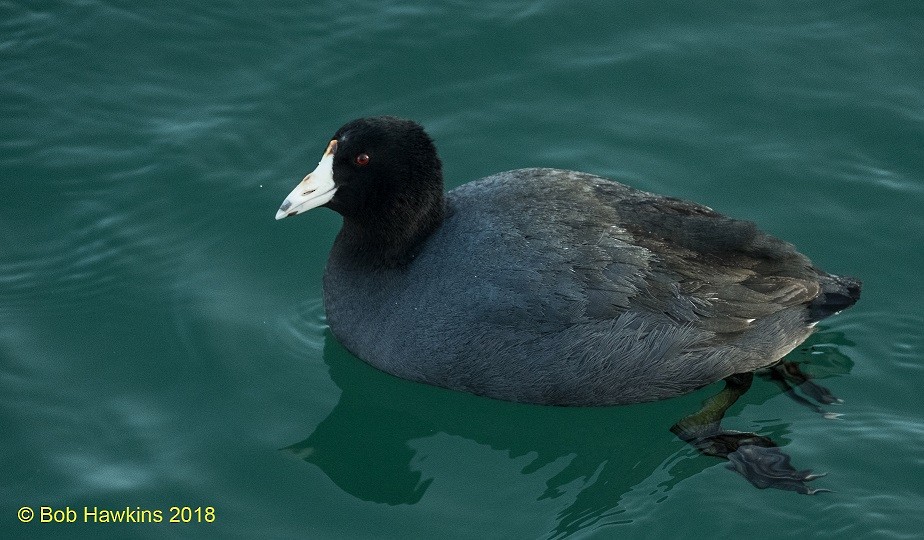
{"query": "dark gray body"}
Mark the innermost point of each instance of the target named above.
(557, 287)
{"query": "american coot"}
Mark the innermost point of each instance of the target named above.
(558, 287)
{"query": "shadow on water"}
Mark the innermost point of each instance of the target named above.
(364, 444)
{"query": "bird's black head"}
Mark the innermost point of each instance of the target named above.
(383, 165)
(383, 175)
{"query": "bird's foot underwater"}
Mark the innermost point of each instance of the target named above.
(790, 377)
(756, 457)
(769, 466)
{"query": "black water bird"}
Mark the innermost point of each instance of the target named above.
(558, 287)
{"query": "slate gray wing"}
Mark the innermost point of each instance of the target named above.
(632, 250)
(717, 273)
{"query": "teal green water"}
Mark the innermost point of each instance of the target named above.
(162, 338)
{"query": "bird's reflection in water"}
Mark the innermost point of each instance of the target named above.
(364, 444)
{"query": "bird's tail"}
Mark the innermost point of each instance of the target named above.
(837, 294)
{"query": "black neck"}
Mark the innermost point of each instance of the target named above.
(390, 239)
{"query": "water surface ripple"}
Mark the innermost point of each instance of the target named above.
(163, 341)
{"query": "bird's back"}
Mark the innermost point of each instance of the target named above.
(552, 286)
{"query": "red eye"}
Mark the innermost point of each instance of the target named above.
(362, 159)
